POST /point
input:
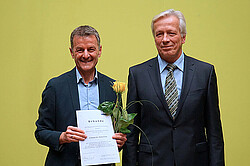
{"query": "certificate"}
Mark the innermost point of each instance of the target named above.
(98, 147)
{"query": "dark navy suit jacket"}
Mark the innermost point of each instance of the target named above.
(194, 138)
(60, 100)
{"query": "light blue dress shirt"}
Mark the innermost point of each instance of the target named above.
(178, 72)
(88, 93)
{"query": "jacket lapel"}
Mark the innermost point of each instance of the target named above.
(72, 82)
(102, 88)
(189, 70)
(154, 74)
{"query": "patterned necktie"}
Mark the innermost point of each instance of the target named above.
(171, 93)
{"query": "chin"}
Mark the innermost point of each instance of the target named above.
(86, 68)
(170, 58)
(167, 55)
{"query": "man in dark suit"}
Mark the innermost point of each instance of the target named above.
(186, 129)
(82, 88)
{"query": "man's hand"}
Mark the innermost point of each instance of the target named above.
(72, 134)
(120, 139)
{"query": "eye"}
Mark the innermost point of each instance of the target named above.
(158, 34)
(172, 34)
(91, 49)
(79, 50)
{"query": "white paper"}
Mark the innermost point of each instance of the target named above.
(98, 147)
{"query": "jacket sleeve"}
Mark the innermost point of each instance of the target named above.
(213, 123)
(131, 145)
(45, 132)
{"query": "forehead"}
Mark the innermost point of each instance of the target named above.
(166, 22)
(85, 40)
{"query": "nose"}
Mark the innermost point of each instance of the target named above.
(85, 54)
(165, 38)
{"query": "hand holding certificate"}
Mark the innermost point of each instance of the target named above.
(98, 147)
(72, 134)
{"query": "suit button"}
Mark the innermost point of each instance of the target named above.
(172, 149)
(174, 128)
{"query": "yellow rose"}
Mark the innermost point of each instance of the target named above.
(119, 87)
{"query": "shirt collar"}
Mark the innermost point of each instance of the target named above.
(179, 63)
(79, 77)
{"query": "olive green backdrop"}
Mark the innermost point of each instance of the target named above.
(34, 36)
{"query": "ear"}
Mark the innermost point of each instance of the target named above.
(71, 52)
(183, 39)
(100, 51)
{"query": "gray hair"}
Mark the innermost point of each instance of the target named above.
(85, 30)
(169, 12)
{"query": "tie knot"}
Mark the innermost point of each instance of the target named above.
(171, 67)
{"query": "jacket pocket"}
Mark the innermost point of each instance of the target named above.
(201, 147)
(145, 148)
(196, 91)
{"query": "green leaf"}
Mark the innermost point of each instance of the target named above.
(124, 114)
(116, 113)
(124, 123)
(106, 107)
(125, 131)
(129, 119)
(131, 116)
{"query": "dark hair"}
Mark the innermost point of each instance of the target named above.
(85, 30)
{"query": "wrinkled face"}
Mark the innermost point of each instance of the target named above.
(85, 52)
(168, 38)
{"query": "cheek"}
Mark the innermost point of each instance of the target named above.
(157, 40)
(96, 59)
(77, 57)
(157, 43)
(176, 42)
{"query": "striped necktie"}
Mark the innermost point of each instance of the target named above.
(171, 93)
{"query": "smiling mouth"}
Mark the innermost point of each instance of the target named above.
(86, 61)
(166, 47)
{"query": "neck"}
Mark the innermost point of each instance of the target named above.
(88, 76)
(172, 59)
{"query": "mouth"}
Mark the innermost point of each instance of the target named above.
(86, 61)
(166, 47)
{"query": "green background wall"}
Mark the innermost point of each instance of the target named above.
(34, 36)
